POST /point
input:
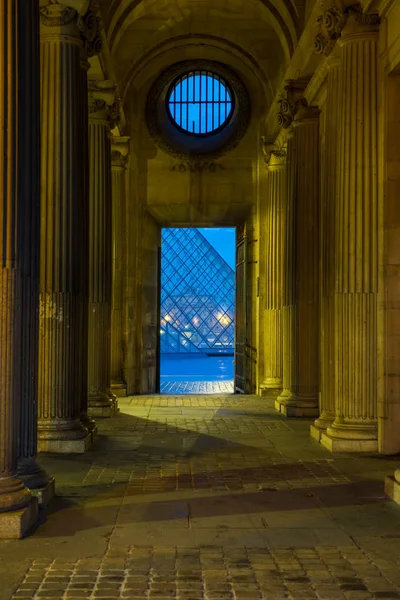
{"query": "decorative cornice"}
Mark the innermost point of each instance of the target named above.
(291, 101)
(57, 15)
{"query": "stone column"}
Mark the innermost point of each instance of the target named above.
(100, 401)
(274, 229)
(59, 425)
(327, 245)
(356, 245)
(120, 149)
(301, 294)
(19, 216)
(29, 471)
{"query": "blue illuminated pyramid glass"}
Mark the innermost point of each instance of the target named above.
(197, 295)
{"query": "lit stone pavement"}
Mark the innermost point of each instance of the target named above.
(196, 387)
(214, 498)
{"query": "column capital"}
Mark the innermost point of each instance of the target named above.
(119, 151)
(336, 23)
(103, 104)
(274, 154)
(89, 28)
(291, 100)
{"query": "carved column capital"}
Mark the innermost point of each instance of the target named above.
(331, 24)
(291, 101)
(118, 160)
(89, 28)
(57, 15)
(274, 154)
(101, 100)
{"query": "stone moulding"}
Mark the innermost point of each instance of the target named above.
(156, 114)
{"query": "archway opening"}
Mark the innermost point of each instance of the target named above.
(197, 310)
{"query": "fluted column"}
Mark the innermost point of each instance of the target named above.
(120, 149)
(356, 242)
(59, 425)
(274, 230)
(29, 471)
(301, 295)
(327, 245)
(19, 218)
(100, 402)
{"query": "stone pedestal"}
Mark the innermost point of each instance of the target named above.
(274, 229)
(59, 425)
(356, 274)
(101, 403)
(19, 261)
(327, 245)
(392, 486)
(119, 153)
(300, 311)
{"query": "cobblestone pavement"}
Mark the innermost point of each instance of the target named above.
(196, 387)
(209, 498)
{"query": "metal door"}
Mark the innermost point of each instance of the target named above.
(241, 312)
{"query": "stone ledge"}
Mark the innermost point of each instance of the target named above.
(45, 494)
(348, 445)
(66, 446)
(392, 488)
(14, 525)
(296, 411)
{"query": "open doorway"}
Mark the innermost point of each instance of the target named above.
(197, 310)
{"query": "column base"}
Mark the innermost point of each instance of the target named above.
(348, 435)
(45, 494)
(321, 424)
(118, 389)
(292, 405)
(392, 488)
(63, 436)
(66, 446)
(15, 524)
(102, 406)
(90, 425)
(334, 444)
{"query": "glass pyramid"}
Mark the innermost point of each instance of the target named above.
(197, 295)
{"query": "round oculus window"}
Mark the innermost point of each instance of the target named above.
(200, 103)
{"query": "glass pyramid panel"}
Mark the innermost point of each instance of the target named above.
(197, 295)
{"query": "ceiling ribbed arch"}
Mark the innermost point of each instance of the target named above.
(280, 14)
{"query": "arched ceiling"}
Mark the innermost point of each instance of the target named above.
(265, 30)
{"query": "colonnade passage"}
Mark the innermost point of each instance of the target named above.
(305, 165)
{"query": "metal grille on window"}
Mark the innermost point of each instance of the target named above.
(197, 295)
(200, 102)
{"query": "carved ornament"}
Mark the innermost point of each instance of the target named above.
(290, 102)
(89, 27)
(57, 15)
(273, 151)
(118, 159)
(332, 22)
(197, 166)
(114, 114)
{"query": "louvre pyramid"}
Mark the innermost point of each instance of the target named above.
(197, 295)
